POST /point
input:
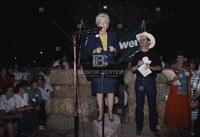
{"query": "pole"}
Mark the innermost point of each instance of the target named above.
(76, 118)
(75, 80)
(103, 115)
(143, 25)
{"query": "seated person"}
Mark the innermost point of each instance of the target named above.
(25, 123)
(61, 63)
(46, 91)
(8, 112)
(35, 99)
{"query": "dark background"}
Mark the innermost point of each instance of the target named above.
(26, 30)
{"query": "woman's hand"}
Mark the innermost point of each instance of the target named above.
(97, 50)
(112, 49)
(169, 82)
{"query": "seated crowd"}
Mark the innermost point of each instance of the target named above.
(22, 104)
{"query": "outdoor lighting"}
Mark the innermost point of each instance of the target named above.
(41, 9)
(41, 52)
(119, 26)
(158, 9)
(15, 58)
(105, 7)
(79, 25)
(58, 48)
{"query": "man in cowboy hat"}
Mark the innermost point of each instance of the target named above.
(146, 63)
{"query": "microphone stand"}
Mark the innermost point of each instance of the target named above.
(76, 117)
(75, 80)
(103, 114)
(103, 98)
(102, 88)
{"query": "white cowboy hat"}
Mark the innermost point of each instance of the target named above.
(148, 35)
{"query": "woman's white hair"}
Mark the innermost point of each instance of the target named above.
(104, 16)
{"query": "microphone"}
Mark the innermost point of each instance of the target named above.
(99, 28)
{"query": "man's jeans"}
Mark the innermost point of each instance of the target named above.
(146, 86)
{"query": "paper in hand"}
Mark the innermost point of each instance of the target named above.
(145, 72)
(170, 74)
(142, 69)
